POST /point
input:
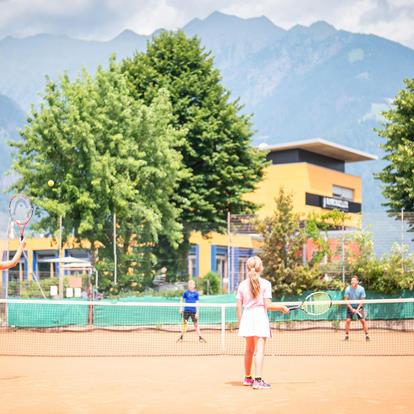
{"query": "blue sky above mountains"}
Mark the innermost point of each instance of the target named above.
(300, 78)
(104, 19)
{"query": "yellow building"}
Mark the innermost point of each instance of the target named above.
(313, 171)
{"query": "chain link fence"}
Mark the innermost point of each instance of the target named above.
(75, 271)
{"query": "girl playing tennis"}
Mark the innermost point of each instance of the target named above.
(13, 262)
(254, 299)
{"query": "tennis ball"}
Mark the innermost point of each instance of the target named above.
(50, 183)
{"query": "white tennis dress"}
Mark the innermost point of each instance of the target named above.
(254, 320)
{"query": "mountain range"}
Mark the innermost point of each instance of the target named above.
(306, 82)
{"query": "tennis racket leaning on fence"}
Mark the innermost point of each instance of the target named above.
(314, 304)
(21, 212)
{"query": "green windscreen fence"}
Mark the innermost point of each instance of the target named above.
(148, 328)
(24, 314)
(166, 311)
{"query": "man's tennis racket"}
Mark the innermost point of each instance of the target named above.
(362, 313)
(21, 211)
(314, 304)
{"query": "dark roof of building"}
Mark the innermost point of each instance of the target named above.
(323, 147)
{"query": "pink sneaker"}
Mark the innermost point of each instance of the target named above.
(261, 385)
(248, 381)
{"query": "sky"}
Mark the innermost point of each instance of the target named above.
(104, 19)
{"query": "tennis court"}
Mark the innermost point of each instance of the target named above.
(117, 357)
(146, 342)
(206, 385)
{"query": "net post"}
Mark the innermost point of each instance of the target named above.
(115, 252)
(61, 273)
(223, 328)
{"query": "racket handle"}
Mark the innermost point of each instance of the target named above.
(293, 307)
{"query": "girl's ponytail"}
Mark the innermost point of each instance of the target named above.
(254, 269)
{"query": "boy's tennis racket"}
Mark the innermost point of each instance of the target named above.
(21, 211)
(315, 304)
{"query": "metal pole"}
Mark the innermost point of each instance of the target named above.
(343, 254)
(223, 328)
(61, 287)
(228, 251)
(115, 253)
(402, 238)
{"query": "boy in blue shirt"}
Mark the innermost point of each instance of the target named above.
(355, 292)
(190, 296)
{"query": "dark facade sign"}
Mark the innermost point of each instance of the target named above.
(332, 203)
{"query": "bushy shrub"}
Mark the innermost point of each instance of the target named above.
(30, 288)
(209, 284)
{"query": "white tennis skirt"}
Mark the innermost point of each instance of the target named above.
(255, 322)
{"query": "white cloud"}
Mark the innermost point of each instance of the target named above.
(376, 110)
(102, 19)
(362, 76)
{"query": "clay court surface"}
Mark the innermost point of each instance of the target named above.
(208, 384)
(139, 343)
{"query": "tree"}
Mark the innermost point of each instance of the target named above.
(106, 153)
(220, 164)
(282, 245)
(398, 130)
(317, 226)
(392, 272)
(282, 251)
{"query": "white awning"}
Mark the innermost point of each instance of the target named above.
(68, 260)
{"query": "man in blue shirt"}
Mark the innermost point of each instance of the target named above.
(190, 296)
(355, 292)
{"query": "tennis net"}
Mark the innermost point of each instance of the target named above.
(105, 328)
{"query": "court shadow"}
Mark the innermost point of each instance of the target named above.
(235, 383)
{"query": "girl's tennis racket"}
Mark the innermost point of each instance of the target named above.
(21, 211)
(315, 304)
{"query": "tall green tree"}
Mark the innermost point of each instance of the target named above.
(106, 153)
(220, 163)
(282, 247)
(398, 131)
(282, 251)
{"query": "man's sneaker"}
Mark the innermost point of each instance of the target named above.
(180, 339)
(346, 338)
(248, 381)
(202, 340)
(366, 337)
(261, 385)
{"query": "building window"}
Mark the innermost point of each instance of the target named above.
(242, 268)
(46, 268)
(79, 254)
(17, 273)
(221, 265)
(343, 192)
(192, 265)
(192, 261)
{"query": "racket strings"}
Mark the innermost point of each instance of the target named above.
(317, 303)
(20, 209)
